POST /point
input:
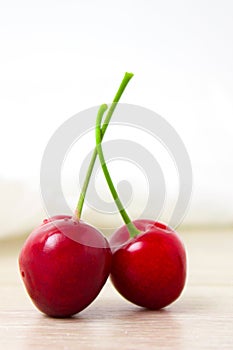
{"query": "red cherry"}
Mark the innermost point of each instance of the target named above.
(150, 269)
(64, 264)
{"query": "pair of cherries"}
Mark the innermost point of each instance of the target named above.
(65, 262)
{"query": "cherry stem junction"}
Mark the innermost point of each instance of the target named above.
(131, 227)
(124, 83)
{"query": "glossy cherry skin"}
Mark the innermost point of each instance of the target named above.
(64, 264)
(150, 269)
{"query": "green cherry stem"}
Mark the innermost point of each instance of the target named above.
(124, 83)
(131, 227)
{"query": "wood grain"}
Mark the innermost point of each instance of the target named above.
(201, 319)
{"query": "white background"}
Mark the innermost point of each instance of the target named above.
(60, 57)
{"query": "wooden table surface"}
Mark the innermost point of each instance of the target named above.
(201, 319)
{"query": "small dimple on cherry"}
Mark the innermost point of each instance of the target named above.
(160, 225)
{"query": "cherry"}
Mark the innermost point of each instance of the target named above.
(149, 260)
(149, 269)
(64, 264)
